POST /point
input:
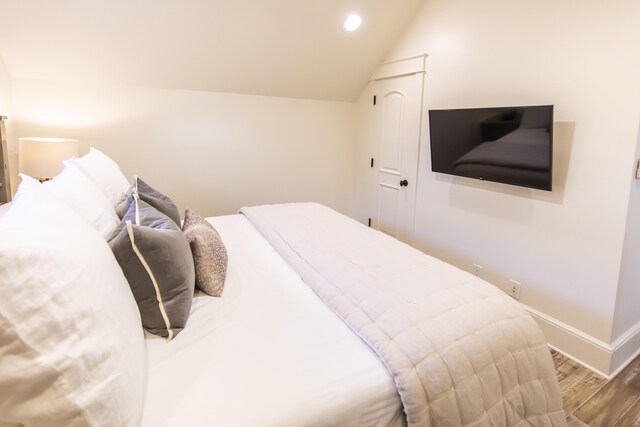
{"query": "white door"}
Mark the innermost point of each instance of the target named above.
(398, 105)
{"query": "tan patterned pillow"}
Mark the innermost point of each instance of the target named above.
(209, 253)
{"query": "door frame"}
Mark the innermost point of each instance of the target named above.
(400, 67)
(389, 70)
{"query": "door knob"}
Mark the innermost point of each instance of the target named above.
(404, 183)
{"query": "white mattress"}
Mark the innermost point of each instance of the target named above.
(268, 353)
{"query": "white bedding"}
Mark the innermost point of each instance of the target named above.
(4, 208)
(268, 353)
(462, 352)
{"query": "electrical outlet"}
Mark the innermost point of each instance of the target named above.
(477, 269)
(514, 289)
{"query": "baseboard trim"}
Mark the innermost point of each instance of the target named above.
(605, 359)
(577, 345)
(569, 356)
(625, 349)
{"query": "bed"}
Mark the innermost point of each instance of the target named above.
(269, 350)
(322, 322)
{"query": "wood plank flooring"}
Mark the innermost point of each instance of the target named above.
(591, 400)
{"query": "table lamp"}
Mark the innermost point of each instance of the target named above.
(41, 158)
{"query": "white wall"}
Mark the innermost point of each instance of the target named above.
(565, 247)
(211, 152)
(5, 90)
(7, 110)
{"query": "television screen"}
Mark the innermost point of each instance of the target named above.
(511, 145)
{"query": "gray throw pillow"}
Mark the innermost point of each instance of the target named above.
(209, 253)
(157, 262)
(151, 196)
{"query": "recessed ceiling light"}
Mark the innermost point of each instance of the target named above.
(352, 22)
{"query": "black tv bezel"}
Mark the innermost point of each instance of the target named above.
(497, 110)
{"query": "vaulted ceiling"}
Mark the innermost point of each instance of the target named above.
(291, 48)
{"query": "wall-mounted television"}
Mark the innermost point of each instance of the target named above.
(511, 145)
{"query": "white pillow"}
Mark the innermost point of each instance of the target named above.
(104, 172)
(4, 208)
(78, 192)
(71, 343)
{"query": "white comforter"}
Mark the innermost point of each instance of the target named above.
(461, 351)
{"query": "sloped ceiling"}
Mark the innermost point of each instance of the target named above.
(291, 48)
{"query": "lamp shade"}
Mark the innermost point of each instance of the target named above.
(42, 157)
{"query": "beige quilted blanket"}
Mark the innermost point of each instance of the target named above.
(461, 352)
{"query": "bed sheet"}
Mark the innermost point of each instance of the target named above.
(268, 353)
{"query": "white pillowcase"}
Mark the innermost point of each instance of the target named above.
(79, 193)
(4, 208)
(71, 343)
(104, 172)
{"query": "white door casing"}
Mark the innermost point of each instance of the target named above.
(398, 114)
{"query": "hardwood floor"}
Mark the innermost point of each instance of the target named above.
(591, 400)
